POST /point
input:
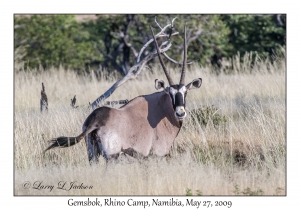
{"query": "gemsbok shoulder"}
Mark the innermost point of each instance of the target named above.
(148, 124)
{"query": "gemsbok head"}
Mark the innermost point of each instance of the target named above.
(178, 91)
(148, 124)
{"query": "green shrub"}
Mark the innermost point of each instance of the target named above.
(189, 192)
(247, 191)
(52, 40)
(205, 114)
(259, 34)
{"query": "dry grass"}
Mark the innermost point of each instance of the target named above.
(245, 155)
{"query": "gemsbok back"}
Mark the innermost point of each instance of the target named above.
(148, 124)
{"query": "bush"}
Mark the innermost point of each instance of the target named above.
(259, 34)
(208, 113)
(247, 191)
(53, 40)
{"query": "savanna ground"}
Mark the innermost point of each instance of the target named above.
(233, 141)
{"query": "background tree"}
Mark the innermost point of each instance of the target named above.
(111, 41)
(261, 34)
(53, 40)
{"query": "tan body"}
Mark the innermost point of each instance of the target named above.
(146, 125)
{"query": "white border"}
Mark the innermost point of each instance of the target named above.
(152, 6)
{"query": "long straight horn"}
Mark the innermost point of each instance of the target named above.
(161, 61)
(184, 58)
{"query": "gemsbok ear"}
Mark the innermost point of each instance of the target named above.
(196, 83)
(159, 84)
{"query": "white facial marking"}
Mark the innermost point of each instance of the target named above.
(173, 92)
(180, 112)
(183, 91)
(180, 109)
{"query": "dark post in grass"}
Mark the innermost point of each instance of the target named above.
(44, 99)
(73, 102)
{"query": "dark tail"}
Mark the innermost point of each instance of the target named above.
(65, 141)
(69, 141)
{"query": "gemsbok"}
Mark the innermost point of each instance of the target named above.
(148, 124)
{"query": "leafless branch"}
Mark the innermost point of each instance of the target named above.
(150, 41)
(132, 73)
(131, 47)
(172, 27)
(160, 34)
(176, 62)
(191, 38)
(157, 23)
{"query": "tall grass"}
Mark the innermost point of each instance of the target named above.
(243, 154)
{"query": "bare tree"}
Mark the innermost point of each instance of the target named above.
(135, 70)
(119, 55)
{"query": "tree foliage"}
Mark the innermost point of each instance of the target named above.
(53, 40)
(261, 34)
(113, 41)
